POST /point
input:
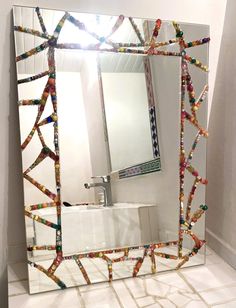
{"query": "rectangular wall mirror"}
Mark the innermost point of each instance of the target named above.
(130, 117)
(112, 112)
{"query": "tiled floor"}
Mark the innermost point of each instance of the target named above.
(211, 285)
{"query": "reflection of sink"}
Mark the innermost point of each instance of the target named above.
(86, 228)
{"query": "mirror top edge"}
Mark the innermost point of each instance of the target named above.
(104, 14)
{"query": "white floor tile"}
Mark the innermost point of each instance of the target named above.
(136, 287)
(100, 298)
(192, 296)
(196, 304)
(145, 301)
(174, 280)
(166, 303)
(219, 295)
(213, 259)
(156, 305)
(210, 276)
(179, 299)
(123, 294)
(231, 304)
(95, 286)
(156, 288)
(56, 299)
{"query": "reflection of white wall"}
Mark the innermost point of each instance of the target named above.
(73, 140)
(74, 144)
(94, 115)
(128, 124)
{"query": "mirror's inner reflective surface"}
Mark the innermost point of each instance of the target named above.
(115, 114)
(130, 127)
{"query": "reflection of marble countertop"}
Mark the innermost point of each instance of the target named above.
(75, 208)
(131, 205)
(86, 228)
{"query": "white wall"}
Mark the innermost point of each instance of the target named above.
(221, 164)
(11, 197)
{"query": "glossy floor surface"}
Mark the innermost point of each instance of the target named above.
(211, 285)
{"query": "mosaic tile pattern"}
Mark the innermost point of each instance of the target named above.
(211, 285)
(148, 47)
(152, 108)
(140, 169)
(155, 144)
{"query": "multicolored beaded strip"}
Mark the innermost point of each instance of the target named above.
(149, 250)
(45, 247)
(185, 162)
(145, 47)
(136, 30)
(42, 220)
(35, 77)
(50, 275)
(32, 31)
(33, 51)
(40, 18)
(41, 187)
(39, 206)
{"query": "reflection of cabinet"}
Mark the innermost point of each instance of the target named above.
(89, 229)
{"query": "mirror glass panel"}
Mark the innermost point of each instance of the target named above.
(94, 119)
(129, 125)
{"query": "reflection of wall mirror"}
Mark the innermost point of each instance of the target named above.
(130, 114)
(102, 96)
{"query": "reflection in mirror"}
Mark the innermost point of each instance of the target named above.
(129, 112)
(87, 218)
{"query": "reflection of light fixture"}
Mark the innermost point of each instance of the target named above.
(97, 24)
(100, 25)
(76, 36)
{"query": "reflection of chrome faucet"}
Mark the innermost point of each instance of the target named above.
(106, 187)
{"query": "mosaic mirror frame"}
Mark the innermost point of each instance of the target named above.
(187, 218)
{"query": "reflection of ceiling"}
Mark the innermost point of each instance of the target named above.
(71, 60)
(117, 63)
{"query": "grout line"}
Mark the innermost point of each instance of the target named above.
(94, 287)
(117, 296)
(225, 302)
(148, 305)
(130, 292)
(81, 298)
(191, 287)
(225, 286)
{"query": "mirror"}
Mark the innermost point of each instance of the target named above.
(130, 115)
(100, 97)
